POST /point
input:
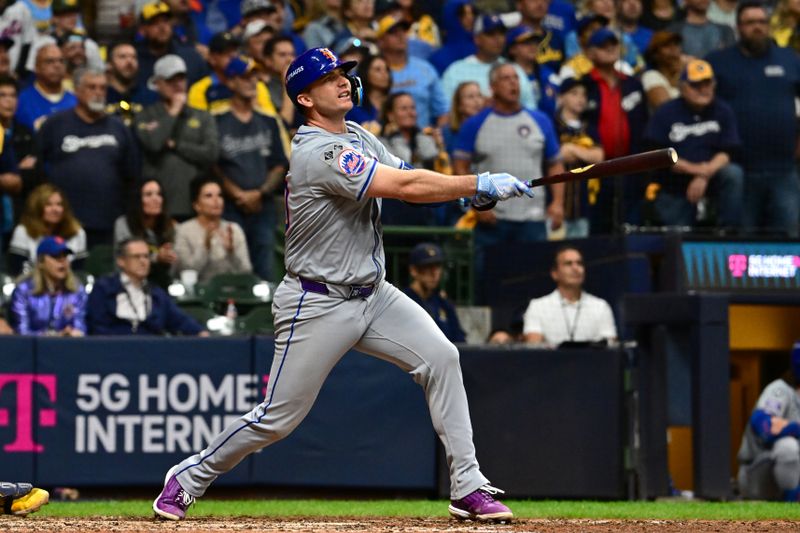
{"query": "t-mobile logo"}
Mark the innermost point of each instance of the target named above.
(737, 264)
(25, 409)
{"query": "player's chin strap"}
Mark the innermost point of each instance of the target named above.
(356, 89)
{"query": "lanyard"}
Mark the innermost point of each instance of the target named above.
(571, 328)
(135, 322)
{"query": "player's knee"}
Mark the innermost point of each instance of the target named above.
(786, 450)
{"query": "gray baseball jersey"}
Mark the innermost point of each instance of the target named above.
(333, 230)
(334, 239)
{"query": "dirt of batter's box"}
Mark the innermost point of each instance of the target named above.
(36, 524)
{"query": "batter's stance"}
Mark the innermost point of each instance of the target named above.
(334, 296)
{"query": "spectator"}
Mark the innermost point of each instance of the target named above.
(125, 97)
(72, 46)
(5, 328)
(411, 74)
(376, 79)
(359, 20)
(759, 80)
(617, 109)
(568, 314)
(16, 23)
(252, 165)
(207, 243)
(278, 54)
(522, 45)
(659, 14)
(65, 23)
(660, 82)
(579, 64)
(255, 36)
(274, 14)
(158, 40)
(700, 35)
(426, 267)
(490, 40)
(769, 468)
(47, 214)
(178, 142)
(703, 131)
(784, 24)
(323, 31)
(500, 336)
(423, 33)
(5, 58)
(507, 137)
(125, 304)
(49, 300)
(580, 146)
(19, 149)
(630, 55)
(148, 220)
(46, 95)
(90, 155)
(629, 14)
(467, 102)
(551, 50)
(458, 19)
(188, 25)
(723, 12)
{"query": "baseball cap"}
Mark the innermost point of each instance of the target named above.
(255, 27)
(602, 36)
(165, 68)
(65, 6)
(567, 84)
(696, 71)
(251, 7)
(52, 246)
(151, 10)
(522, 34)
(237, 66)
(388, 23)
(488, 23)
(222, 42)
(426, 253)
(588, 19)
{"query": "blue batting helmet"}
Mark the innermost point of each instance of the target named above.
(313, 64)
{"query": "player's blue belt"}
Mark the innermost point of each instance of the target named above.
(348, 292)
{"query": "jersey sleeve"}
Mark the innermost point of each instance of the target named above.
(464, 145)
(340, 169)
(551, 144)
(776, 399)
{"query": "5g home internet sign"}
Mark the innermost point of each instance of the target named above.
(742, 266)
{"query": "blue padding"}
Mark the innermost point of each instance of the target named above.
(369, 428)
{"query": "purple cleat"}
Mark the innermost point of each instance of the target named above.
(173, 501)
(480, 505)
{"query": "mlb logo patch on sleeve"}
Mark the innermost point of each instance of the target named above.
(351, 163)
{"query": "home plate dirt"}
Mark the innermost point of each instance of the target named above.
(34, 524)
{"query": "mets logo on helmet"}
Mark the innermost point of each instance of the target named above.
(327, 53)
(351, 163)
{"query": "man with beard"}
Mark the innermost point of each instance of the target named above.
(760, 82)
(91, 156)
(125, 96)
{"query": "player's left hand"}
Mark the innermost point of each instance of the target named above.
(555, 212)
(696, 189)
(500, 186)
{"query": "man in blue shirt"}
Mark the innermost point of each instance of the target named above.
(411, 74)
(425, 265)
(46, 95)
(703, 131)
(760, 82)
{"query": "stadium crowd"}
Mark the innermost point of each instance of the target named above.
(167, 123)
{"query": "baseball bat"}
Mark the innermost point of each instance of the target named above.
(629, 164)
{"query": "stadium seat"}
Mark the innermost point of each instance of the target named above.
(200, 313)
(100, 261)
(223, 287)
(257, 322)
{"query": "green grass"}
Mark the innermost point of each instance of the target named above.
(666, 510)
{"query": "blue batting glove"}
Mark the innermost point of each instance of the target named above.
(500, 186)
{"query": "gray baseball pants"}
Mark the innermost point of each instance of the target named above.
(312, 332)
(772, 472)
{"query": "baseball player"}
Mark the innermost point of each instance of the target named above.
(334, 296)
(769, 456)
(21, 498)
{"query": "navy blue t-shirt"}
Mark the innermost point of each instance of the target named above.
(696, 135)
(249, 150)
(761, 91)
(95, 165)
(442, 312)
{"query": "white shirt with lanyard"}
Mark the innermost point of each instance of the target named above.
(133, 303)
(559, 320)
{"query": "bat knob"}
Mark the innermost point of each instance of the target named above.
(484, 207)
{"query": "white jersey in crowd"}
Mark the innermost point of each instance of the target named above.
(329, 236)
(559, 320)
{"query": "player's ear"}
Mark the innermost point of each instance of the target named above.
(304, 100)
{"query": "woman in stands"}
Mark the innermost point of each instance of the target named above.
(208, 244)
(47, 213)
(467, 101)
(49, 300)
(147, 220)
(377, 79)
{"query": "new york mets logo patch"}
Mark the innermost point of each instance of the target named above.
(351, 163)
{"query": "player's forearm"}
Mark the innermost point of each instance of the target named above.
(420, 185)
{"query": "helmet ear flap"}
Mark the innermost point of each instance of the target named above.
(356, 89)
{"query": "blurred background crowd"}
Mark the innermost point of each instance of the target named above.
(149, 140)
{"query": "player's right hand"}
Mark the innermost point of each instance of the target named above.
(500, 186)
